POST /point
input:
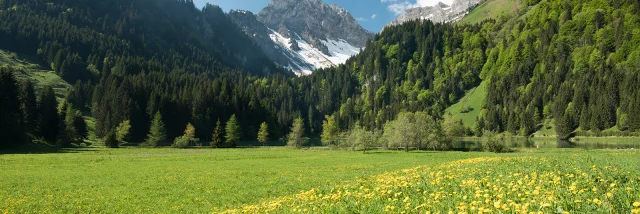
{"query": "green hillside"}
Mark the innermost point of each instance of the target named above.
(28, 68)
(469, 107)
(491, 9)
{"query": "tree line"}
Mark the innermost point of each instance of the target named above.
(568, 63)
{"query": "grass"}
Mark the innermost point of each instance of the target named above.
(190, 180)
(491, 9)
(559, 181)
(28, 68)
(284, 180)
(472, 100)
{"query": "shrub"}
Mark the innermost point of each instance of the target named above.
(181, 142)
(491, 142)
(111, 141)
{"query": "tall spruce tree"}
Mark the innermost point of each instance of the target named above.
(48, 122)
(11, 131)
(157, 133)
(29, 106)
(216, 137)
(263, 134)
(233, 132)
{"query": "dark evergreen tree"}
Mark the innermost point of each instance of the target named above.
(11, 131)
(48, 121)
(29, 107)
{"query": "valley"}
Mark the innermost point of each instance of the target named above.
(472, 106)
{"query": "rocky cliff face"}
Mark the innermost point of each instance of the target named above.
(313, 19)
(437, 13)
(304, 35)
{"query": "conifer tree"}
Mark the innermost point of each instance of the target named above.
(122, 131)
(11, 131)
(216, 138)
(233, 132)
(48, 111)
(263, 134)
(29, 106)
(69, 134)
(157, 133)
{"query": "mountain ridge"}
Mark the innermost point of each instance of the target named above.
(305, 34)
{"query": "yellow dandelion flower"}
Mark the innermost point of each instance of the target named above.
(636, 204)
(597, 201)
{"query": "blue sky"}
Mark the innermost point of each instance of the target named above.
(371, 14)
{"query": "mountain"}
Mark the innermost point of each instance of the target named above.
(172, 34)
(304, 35)
(437, 13)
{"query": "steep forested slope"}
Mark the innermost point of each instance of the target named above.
(78, 38)
(575, 61)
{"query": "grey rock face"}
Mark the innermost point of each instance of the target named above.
(437, 13)
(314, 20)
(260, 34)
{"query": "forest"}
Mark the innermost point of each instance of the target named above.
(144, 63)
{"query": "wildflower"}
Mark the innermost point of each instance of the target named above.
(636, 204)
(597, 201)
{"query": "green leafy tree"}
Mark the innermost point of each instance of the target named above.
(330, 131)
(157, 133)
(452, 127)
(296, 136)
(216, 137)
(233, 132)
(361, 138)
(263, 133)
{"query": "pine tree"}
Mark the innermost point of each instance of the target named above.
(263, 134)
(232, 132)
(216, 137)
(29, 106)
(69, 134)
(122, 131)
(157, 133)
(11, 131)
(48, 111)
(296, 137)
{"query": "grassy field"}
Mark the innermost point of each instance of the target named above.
(284, 180)
(473, 100)
(491, 9)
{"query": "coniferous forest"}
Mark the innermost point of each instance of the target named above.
(573, 63)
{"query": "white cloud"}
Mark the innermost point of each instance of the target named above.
(374, 16)
(362, 19)
(399, 8)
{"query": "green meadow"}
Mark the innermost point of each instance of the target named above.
(135, 180)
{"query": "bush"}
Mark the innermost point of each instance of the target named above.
(493, 143)
(111, 141)
(181, 142)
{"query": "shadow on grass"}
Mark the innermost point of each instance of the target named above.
(44, 149)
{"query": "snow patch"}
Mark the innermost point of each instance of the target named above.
(339, 51)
